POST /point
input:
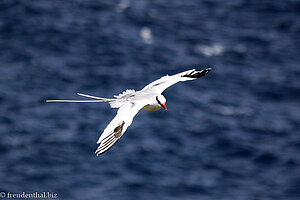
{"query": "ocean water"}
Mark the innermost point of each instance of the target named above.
(232, 135)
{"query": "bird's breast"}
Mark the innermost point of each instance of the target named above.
(150, 107)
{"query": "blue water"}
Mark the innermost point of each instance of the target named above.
(232, 135)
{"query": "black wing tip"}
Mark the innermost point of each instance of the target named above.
(197, 74)
(208, 69)
(205, 71)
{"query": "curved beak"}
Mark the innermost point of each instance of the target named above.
(164, 106)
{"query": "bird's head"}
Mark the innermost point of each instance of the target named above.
(161, 100)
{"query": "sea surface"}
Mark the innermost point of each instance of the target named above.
(231, 135)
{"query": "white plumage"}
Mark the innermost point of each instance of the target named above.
(130, 102)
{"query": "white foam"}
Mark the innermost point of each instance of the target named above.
(213, 50)
(122, 5)
(146, 35)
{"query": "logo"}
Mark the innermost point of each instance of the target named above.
(2, 194)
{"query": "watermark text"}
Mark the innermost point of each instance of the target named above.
(27, 195)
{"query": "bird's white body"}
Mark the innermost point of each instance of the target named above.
(130, 102)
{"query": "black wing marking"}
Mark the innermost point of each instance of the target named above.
(159, 83)
(110, 140)
(197, 74)
(118, 130)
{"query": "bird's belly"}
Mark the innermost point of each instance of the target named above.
(151, 107)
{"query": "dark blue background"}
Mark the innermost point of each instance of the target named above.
(234, 134)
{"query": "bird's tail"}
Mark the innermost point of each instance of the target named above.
(99, 99)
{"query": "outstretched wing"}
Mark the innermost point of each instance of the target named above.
(116, 128)
(164, 82)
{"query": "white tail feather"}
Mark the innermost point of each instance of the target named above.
(75, 101)
(81, 101)
(94, 97)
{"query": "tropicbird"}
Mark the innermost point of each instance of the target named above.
(130, 102)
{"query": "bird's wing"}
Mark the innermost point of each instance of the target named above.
(164, 82)
(116, 128)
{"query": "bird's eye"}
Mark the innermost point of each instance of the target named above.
(157, 100)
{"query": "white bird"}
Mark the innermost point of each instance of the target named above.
(130, 102)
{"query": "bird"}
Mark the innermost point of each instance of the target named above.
(130, 102)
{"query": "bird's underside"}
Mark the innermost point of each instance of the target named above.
(130, 102)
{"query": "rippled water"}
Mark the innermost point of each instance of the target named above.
(233, 134)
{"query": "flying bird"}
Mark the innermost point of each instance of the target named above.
(130, 102)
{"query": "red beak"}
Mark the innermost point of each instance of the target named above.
(164, 106)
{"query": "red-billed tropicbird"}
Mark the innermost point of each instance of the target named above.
(130, 102)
